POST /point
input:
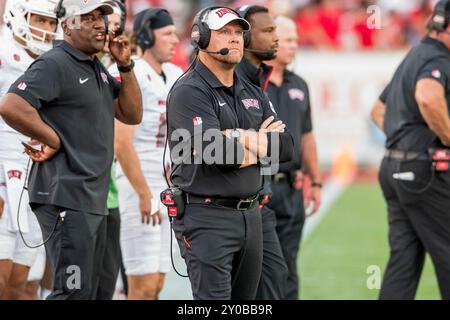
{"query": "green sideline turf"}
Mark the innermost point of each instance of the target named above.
(352, 236)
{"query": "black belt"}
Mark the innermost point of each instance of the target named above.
(238, 204)
(280, 177)
(403, 155)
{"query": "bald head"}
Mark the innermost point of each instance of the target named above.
(285, 23)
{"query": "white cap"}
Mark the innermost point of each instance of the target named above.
(218, 18)
(81, 7)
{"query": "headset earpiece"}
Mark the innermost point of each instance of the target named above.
(145, 37)
(60, 11)
(106, 21)
(441, 16)
(200, 32)
(243, 11)
(123, 18)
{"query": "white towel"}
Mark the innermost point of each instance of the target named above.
(15, 177)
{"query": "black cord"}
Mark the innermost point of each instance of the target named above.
(165, 170)
(18, 213)
(191, 66)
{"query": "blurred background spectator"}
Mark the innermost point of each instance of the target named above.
(322, 24)
(344, 25)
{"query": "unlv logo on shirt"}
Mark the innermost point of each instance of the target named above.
(296, 94)
(14, 174)
(250, 103)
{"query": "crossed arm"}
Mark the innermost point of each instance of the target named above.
(255, 143)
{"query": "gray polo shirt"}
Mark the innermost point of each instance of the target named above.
(75, 96)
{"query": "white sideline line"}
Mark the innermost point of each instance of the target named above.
(331, 191)
(176, 287)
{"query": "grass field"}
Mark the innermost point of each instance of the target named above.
(352, 236)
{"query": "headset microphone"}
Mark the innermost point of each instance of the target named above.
(223, 51)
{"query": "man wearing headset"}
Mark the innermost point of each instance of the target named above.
(261, 44)
(32, 26)
(220, 235)
(66, 101)
(145, 229)
(413, 112)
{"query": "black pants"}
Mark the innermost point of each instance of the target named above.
(112, 258)
(419, 223)
(290, 214)
(75, 249)
(222, 248)
(272, 284)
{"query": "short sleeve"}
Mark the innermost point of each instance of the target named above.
(114, 77)
(384, 94)
(40, 84)
(116, 86)
(436, 70)
(190, 109)
(307, 119)
(268, 109)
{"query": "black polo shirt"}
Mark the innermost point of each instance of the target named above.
(258, 76)
(199, 98)
(75, 96)
(292, 104)
(404, 126)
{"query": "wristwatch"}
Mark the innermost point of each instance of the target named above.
(264, 161)
(235, 134)
(125, 69)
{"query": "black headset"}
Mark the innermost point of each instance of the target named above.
(243, 11)
(60, 11)
(145, 37)
(123, 16)
(441, 16)
(200, 32)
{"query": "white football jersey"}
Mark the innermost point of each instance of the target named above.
(150, 134)
(14, 61)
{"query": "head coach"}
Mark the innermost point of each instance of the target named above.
(66, 102)
(220, 234)
(413, 112)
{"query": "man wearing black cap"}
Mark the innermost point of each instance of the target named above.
(140, 151)
(66, 101)
(413, 111)
(222, 131)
